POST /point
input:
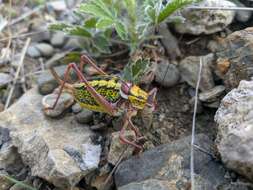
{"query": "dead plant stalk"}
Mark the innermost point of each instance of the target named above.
(194, 125)
(20, 65)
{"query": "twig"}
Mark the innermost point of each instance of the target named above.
(27, 14)
(194, 125)
(192, 41)
(204, 151)
(21, 62)
(221, 8)
(116, 166)
(21, 35)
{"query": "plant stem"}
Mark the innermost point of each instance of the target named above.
(19, 183)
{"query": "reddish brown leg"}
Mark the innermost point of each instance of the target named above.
(100, 99)
(128, 123)
(85, 59)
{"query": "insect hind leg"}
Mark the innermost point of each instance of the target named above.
(85, 59)
(109, 108)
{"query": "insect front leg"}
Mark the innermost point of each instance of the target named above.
(85, 59)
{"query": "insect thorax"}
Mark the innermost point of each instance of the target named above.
(108, 87)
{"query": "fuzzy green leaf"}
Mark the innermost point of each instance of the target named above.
(102, 44)
(131, 8)
(104, 23)
(78, 31)
(96, 10)
(135, 70)
(173, 6)
(58, 27)
(72, 57)
(90, 23)
(151, 12)
(121, 30)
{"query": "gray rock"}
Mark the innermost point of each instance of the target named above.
(235, 129)
(45, 49)
(5, 79)
(206, 21)
(148, 184)
(76, 108)
(10, 160)
(167, 74)
(242, 16)
(33, 52)
(65, 101)
(89, 159)
(73, 43)
(189, 69)
(169, 165)
(46, 81)
(235, 54)
(153, 184)
(169, 41)
(41, 141)
(85, 116)
(212, 94)
(58, 39)
(117, 148)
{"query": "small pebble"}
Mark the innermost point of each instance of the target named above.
(72, 43)
(76, 108)
(167, 74)
(57, 6)
(33, 52)
(58, 39)
(84, 117)
(65, 101)
(45, 49)
(5, 79)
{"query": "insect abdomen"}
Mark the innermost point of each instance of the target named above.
(109, 89)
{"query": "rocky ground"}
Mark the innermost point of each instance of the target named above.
(74, 148)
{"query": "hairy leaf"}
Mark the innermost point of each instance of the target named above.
(72, 57)
(121, 30)
(173, 6)
(135, 70)
(102, 44)
(58, 27)
(78, 31)
(90, 23)
(104, 23)
(96, 10)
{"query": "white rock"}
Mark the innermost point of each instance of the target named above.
(206, 21)
(235, 129)
(42, 141)
(59, 5)
(89, 153)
